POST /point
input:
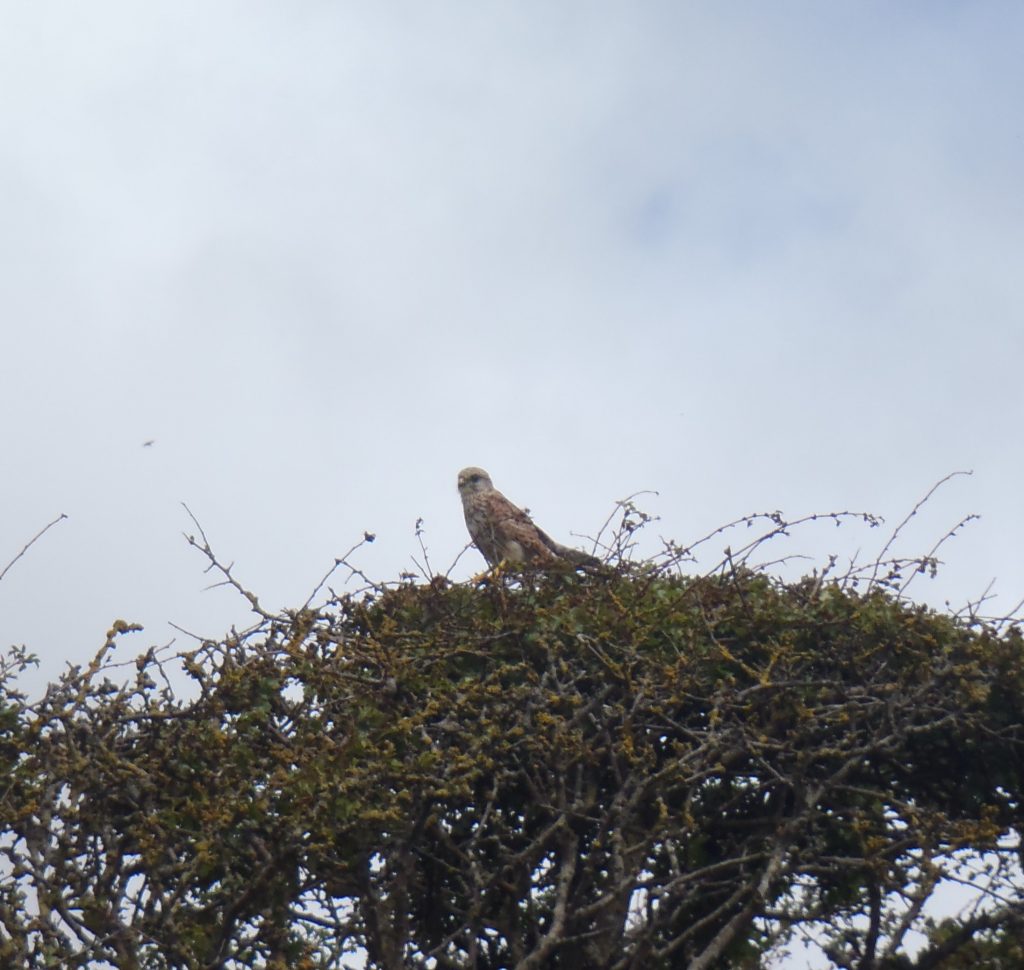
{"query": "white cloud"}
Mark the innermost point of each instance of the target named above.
(751, 256)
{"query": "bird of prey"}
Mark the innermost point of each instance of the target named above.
(505, 533)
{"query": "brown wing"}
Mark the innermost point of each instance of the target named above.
(502, 531)
(514, 533)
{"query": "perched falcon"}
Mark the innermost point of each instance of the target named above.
(501, 531)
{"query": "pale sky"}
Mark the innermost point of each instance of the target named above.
(753, 256)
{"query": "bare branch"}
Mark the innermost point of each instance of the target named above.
(225, 571)
(31, 542)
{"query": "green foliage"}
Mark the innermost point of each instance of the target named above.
(629, 770)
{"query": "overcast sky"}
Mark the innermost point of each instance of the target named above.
(324, 254)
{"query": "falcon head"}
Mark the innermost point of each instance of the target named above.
(474, 479)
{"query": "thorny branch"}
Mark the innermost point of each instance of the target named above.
(225, 571)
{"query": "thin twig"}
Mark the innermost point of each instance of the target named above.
(225, 571)
(340, 561)
(31, 541)
(896, 532)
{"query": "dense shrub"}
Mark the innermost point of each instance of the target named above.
(631, 770)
